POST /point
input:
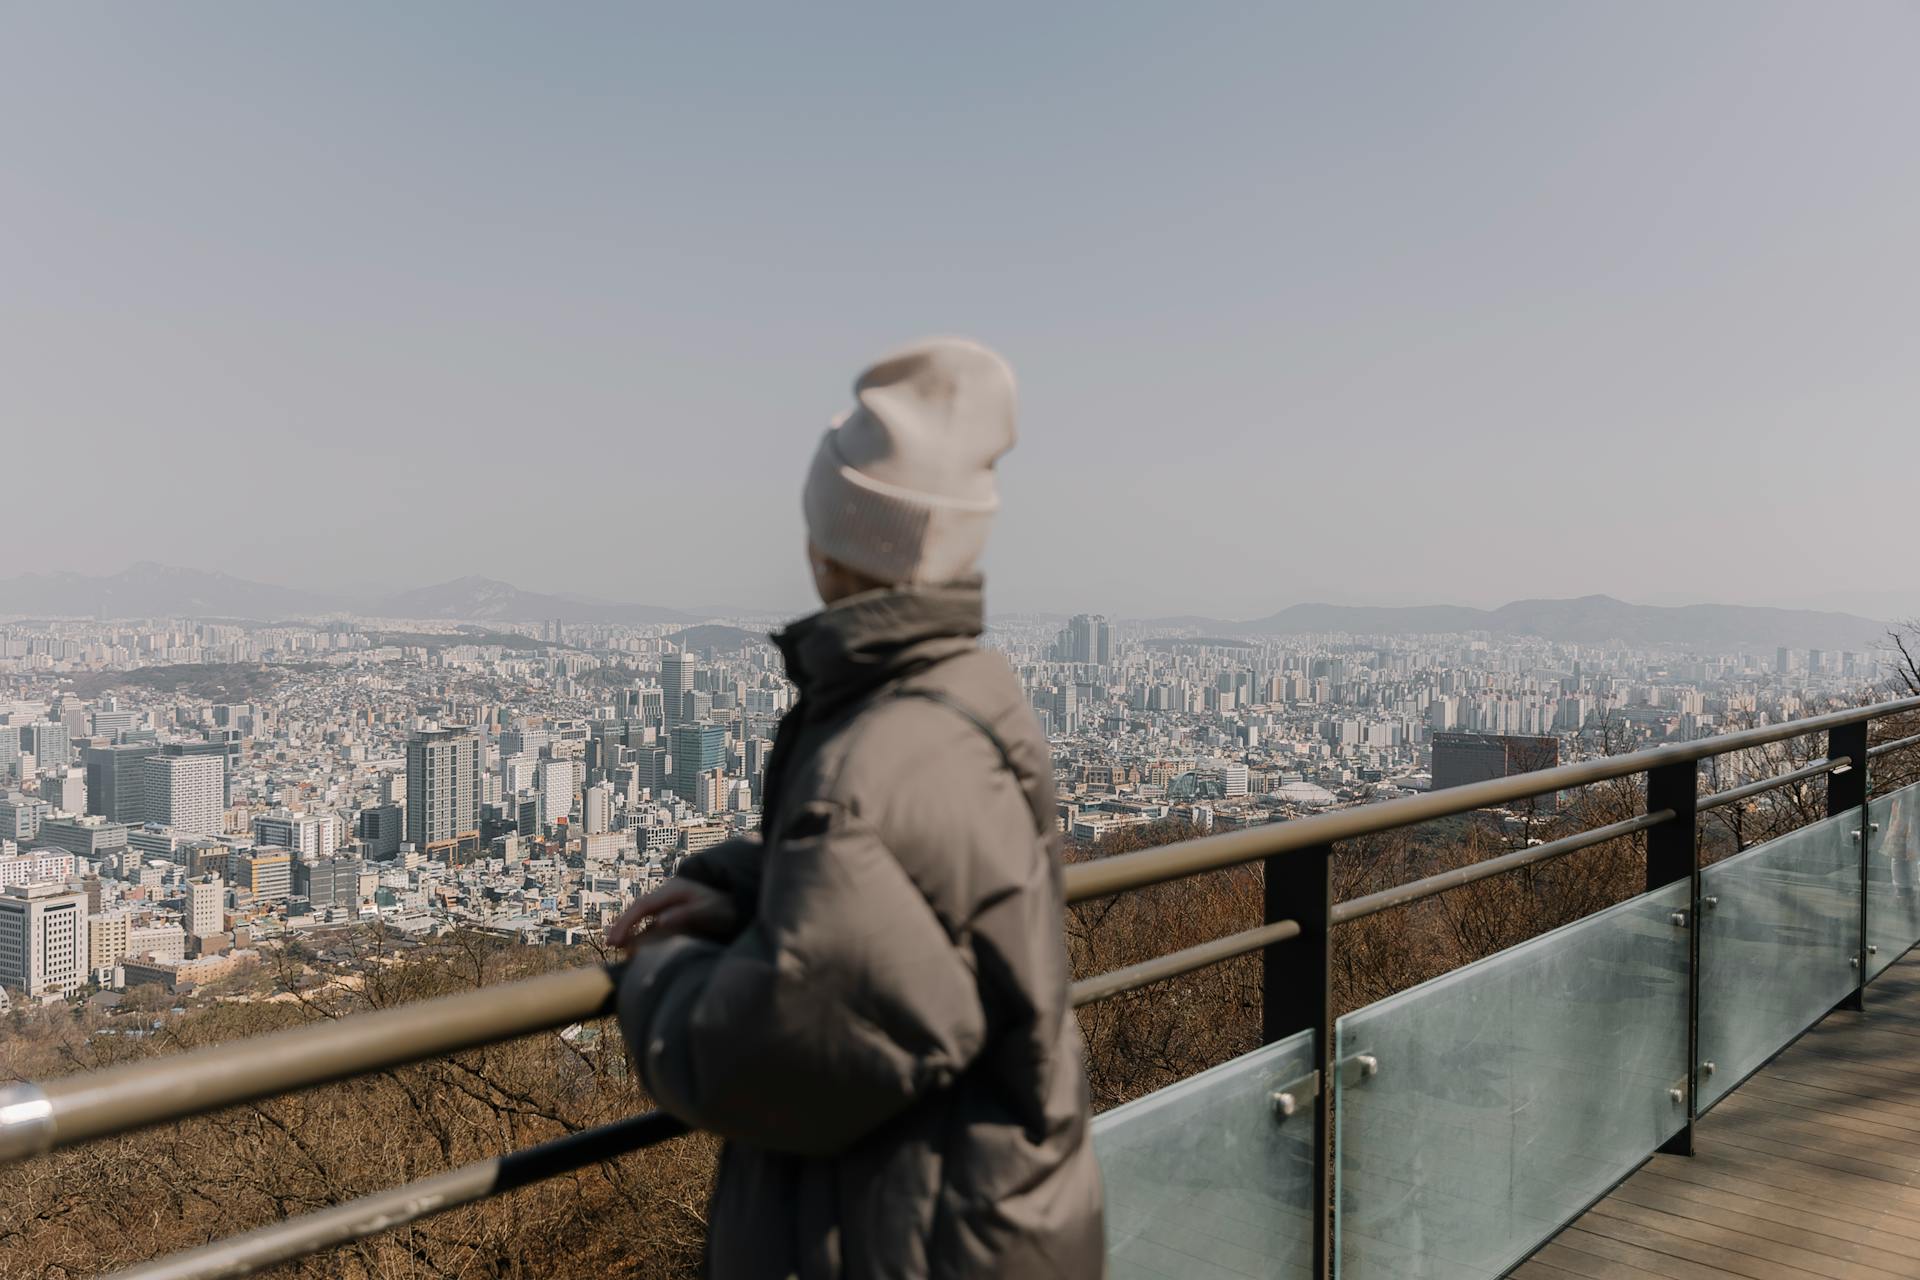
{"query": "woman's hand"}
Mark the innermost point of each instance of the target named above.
(676, 907)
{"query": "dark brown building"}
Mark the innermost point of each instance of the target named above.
(1463, 758)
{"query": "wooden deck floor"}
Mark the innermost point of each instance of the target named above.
(1808, 1171)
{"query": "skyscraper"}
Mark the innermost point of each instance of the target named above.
(599, 807)
(9, 753)
(697, 749)
(50, 743)
(1089, 639)
(676, 682)
(114, 778)
(556, 782)
(227, 751)
(443, 787)
(184, 792)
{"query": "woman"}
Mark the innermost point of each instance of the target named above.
(868, 1000)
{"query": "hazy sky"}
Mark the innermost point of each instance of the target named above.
(1385, 303)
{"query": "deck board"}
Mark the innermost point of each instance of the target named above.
(1809, 1171)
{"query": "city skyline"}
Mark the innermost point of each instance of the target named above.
(1307, 304)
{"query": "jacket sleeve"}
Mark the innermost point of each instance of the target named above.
(732, 867)
(840, 1004)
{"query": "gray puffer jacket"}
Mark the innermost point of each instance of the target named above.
(887, 1046)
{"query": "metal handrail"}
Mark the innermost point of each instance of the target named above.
(39, 1117)
(1134, 976)
(1734, 795)
(1414, 891)
(1129, 871)
(1874, 753)
(278, 1242)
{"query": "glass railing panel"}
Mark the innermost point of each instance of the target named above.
(1205, 1180)
(1780, 931)
(1505, 1097)
(1893, 877)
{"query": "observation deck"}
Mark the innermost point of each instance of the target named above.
(1717, 1076)
(1810, 1168)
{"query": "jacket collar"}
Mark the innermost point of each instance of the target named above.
(857, 644)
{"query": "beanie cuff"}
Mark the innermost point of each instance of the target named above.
(888, 533)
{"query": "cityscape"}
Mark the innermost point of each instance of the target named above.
(181, 797)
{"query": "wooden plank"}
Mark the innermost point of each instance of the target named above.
(1831, 1092)
(1737, 1241)
(1797, 1178)
(1696, 1174)
(1589, 1266)
(1800, 1229)
(1667, 1256)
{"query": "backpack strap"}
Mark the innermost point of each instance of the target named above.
(972, 717)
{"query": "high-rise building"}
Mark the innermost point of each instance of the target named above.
(266, 873)
(443, 788)
(677, 674)
(328, 882)
(517, 774)
(43, 938)
(599, 808)
(1088, 638)
(184, 792)
(555, 782)
(205, 898)
(381, 830)
(10, 748)
(311, 836)
(697, 749)
(1463, 758)
(653, 769)
(226, 749)
(107, 940)
(523, 741)
(21, 816)
(114, 776)
(65, 790)
(51, 744)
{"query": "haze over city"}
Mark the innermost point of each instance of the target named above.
(1455, 306)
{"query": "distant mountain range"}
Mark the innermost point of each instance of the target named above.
(1589, 620)
(489, 600)
(149, 590)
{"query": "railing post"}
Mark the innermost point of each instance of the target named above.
(1297, 995)
(1673, 853)
(1847, 791)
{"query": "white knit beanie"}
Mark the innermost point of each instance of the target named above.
(902, 488)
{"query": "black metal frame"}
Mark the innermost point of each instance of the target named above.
(1296, 994)
(1847, 789)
